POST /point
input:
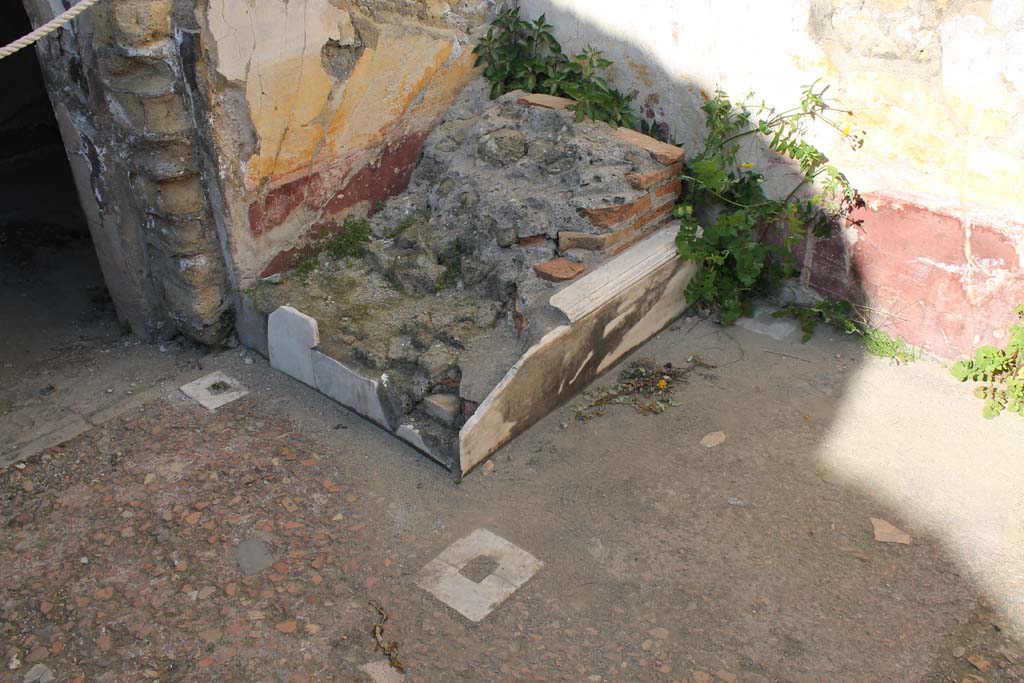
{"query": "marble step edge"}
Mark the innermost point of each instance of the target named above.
(610, 312)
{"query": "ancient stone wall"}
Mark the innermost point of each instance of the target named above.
(937, 84)
(318, 108)
(213, 142)
(116, 82)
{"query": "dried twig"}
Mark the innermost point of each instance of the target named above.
(643, 385)
(389, 649)
(786, 355)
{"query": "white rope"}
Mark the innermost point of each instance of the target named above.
(47, 28)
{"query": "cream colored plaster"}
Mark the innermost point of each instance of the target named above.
(307, 121)
(299, 113)
(936, 85)
(274, 46)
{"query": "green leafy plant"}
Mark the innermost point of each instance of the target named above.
(725, 216)
(521, 55)
(844, 316)
(452, 263)
(351, 239)
(1000, 373)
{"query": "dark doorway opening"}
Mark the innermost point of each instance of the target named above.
(52, 293)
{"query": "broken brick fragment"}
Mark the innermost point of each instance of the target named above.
(674, 188)
(607, 216)
(568, 239)
(645, 181)
(559, 269)
(661, 151)
(532, 241)
(545, 101)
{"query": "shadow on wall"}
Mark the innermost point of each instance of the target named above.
(923, 270)
(935, 270)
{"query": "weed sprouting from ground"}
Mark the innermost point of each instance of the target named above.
(452, 268)
(835, 313)
(402, 226)
(304, 267)
(878, 343)
(643, 384)
(348, 242)
(844, 316)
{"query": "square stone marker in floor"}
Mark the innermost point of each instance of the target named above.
(214, 390)
(382, 672)
(443, 579)
(252, 556)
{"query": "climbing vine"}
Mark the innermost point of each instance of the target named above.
(743, 240)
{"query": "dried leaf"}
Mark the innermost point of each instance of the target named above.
(713, 439)
(887, 533)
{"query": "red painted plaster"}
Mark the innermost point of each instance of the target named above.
(387, 176)
(279, 203)
(942, 281)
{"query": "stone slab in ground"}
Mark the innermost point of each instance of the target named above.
(214, 390)
(252, 556)
(476, 598)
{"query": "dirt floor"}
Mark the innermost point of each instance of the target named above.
(664, 559)
(66, 363)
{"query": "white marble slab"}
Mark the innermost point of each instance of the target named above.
(355, 392)
(291, 337)
(214, 390)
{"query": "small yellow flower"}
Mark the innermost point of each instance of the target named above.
(662, 384)
(746, 165)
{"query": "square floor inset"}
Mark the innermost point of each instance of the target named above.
(381, 671)
(214, 390)
(443, 579)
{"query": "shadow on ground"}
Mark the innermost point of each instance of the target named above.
(66, 363)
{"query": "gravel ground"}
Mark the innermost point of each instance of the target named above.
(664, 559)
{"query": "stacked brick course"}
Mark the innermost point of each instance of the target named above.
(620, 226)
